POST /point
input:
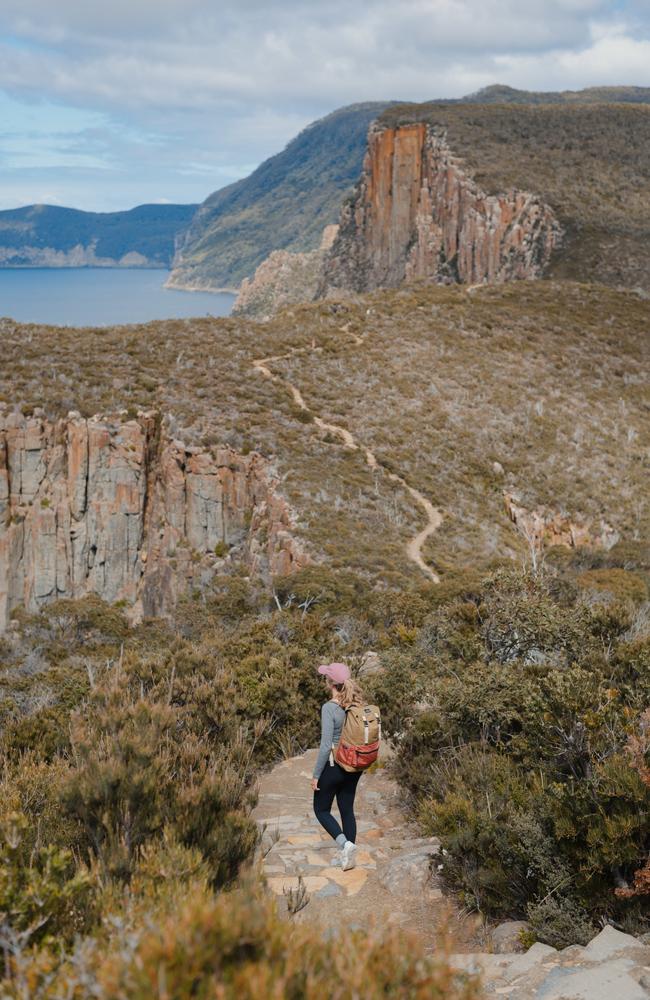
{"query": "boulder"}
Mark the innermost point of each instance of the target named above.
(507, 936)
(410, 871)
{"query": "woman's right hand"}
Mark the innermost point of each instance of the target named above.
(314, 785)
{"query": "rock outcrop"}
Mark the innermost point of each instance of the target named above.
(284, 278)
(416, 213)
(543, 527)
(113, 506)
(613, 966)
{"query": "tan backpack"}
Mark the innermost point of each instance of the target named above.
(358, 747)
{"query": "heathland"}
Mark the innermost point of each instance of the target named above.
(461, 475)
(291, 197)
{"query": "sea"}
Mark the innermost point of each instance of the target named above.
(103, 296)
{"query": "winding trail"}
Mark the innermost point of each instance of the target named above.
(433, 515)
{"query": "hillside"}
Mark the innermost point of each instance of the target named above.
(288, 200)
(590, 163)
(284, 204)
(50, 236)
(443, 486)
(500, 94)
(530, 390)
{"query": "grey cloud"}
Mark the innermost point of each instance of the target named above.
(189, 85)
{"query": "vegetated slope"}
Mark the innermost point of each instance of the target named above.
(50, 236)
(501, 94)
(589, 162)
(520, 697)
(288, 200)
(285, 204)
(546, 379)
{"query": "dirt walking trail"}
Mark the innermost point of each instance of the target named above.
(433, 515)
(396, 879)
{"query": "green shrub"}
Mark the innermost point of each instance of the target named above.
(44, 894)
(621, 584)
(140, 769)
(517, 759)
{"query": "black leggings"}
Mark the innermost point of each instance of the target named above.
(334, 781)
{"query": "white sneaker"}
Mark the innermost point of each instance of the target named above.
(348, 856)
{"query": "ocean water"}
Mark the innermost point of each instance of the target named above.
(84, 296)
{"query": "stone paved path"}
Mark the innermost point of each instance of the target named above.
(392, 882)
(395, 883)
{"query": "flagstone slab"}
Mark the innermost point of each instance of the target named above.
(351, 881)
(300, 846)
(396, 882)
(331, 889)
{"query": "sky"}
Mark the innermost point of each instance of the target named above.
(106, 104)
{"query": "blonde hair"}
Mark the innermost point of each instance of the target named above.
(348, 693)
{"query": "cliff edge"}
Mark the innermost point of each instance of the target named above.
(116, 507)
(416, 213)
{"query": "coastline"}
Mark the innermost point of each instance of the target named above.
(221, 290)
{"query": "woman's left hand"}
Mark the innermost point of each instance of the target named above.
(314, 785)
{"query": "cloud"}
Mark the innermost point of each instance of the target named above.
(186, 90)
(178, 54)
(612, 58)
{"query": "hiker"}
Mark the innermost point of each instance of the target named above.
(350, 734)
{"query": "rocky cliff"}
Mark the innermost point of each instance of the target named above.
(284, 278)
(115, 507)
(584, 152)
(544, 528)
(417, 213)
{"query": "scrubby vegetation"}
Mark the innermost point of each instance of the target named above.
(528, 696)
(128, 767)
(284, 205)
(584, 150)
(547, 380)
(129, 759)
(517, 700)
(589, 161)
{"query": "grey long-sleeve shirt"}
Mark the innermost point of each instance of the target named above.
(332, 717)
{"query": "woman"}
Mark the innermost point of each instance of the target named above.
(329, 779)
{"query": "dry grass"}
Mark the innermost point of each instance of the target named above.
(548, 379)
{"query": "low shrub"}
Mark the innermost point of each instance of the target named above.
(235, 946)
(517, 757)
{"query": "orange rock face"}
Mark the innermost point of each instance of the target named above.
(417, 214)
(545, 527)
(115, 508)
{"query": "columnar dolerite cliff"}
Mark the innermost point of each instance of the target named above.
(417, 214)
(116, 508)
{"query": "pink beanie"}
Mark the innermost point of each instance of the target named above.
(337, 673)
